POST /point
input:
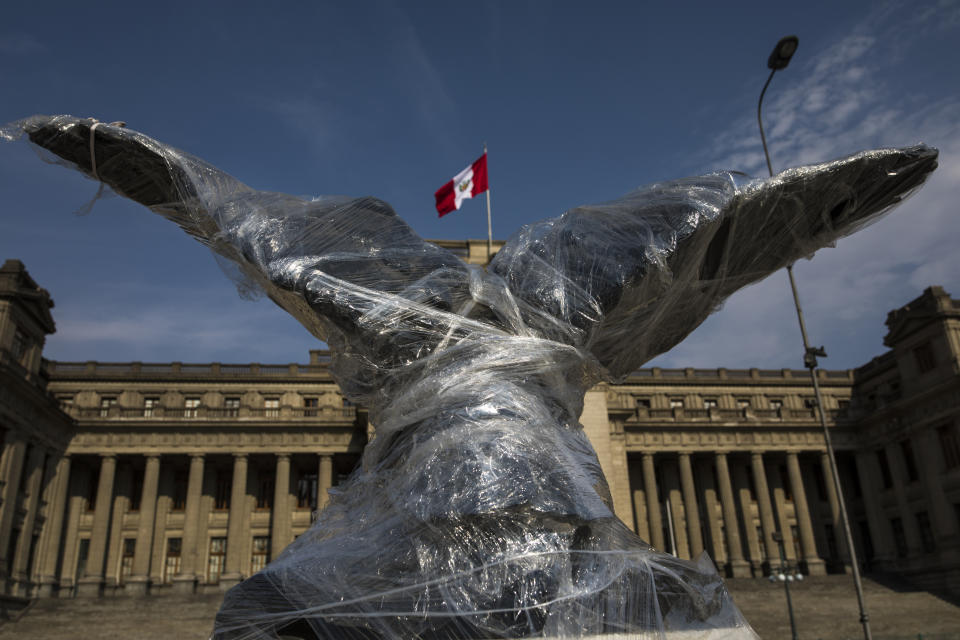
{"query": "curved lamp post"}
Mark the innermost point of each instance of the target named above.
(779, 59)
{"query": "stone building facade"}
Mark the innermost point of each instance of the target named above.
(133, 478)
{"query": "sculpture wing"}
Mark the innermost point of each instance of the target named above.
(629, 279)
(344, 267)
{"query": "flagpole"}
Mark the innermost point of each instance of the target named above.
(489, 225)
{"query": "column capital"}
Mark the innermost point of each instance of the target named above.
(197, 456)
(152, 456)
(108, 456)
(283, 456)
(757, 453)
(240, 456)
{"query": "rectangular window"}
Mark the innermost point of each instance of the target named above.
(884, 469)
(136, 489)
(126, 561)
(261, 551)
(743, 403)
(106, 403)
(272, 406)
(709, 403)
(171, 564)
(775, 403)
(926, 359)
(926, 532)
(190, 406)
(310, 406)
(676, 403)
(643, 402)
(307, 491)
(149, 406)
(232, 407)
(218, 553)
(19, 347)
(909, 461)
(833, 551)
(83, 552)
(843, 404)
(179, 497)
(221, 498)
(264, 490)
(785, 484)
(950, 445)
(899, 537)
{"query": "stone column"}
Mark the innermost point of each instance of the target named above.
(52, 529)
(653, 503)
(238, 521)
(13, 461)
(880, 533)
(943, 518)
(121, 503)
(808, 543)
(91, 583)
(281, 532)
(690, 507)
(324, 480)
(190, 548)
(834, 501)
(639, 503)
(139, 582)
(31, 504)
(739, 568)
(770, 550)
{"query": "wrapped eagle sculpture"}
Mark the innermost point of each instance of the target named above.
(479, 510)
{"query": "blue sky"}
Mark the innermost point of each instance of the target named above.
(578, 103)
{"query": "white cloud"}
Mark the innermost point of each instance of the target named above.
(836, 104)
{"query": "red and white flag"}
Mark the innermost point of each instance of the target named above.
(470, 182)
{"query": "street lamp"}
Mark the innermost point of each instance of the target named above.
(779, 59)
(786, 573)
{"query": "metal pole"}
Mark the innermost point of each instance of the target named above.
(489, 225)
(785, 571)
(810, 361)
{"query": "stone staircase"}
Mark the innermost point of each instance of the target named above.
(825, 609)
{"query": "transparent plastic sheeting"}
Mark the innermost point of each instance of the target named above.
(479, 509)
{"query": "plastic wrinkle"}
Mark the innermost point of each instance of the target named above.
(480, 509)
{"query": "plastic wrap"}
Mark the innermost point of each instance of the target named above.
(479, 509)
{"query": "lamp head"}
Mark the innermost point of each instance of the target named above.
(780, 57)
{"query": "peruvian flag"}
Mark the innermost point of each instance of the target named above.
(470, 182)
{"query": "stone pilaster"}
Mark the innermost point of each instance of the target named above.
(871, 488)
(642, 525)
(92, 582)
(834, 501)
